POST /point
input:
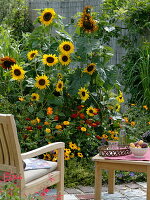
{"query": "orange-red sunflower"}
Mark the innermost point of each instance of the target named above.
(6, 62)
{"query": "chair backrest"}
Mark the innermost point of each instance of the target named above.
(10, 153)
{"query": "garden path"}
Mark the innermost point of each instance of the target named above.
(130, 191)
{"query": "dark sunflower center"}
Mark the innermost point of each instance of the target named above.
(83, 93)
(66, 47)
(65, 58)
(17, 72)
(32, 55)
(120, 97)
(50, 59)
(90, 68)
(90, 111)
(8, 63)
(42, 82)
(34, 97)
(47, 16)
(60, 85)
(88, 25)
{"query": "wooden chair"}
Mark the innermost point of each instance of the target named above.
(11, 161)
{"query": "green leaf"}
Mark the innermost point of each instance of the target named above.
(40, 114)
(30, 109)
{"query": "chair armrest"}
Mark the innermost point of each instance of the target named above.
(44, 149)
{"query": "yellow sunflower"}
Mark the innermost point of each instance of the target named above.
(66, 47)
(6, 62)
(35, 97)
(87, 24)
(64, 59)
(17, 72)
(90, 68)
(59, 76)
(117, 107)
(80, 155)
(120, 98)
(32, 54)
(91, 111)
(84, 94)
(59, 86)
(87, 10)
(42, 82)
(50, 59)
(47, 16)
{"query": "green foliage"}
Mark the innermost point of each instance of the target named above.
(15, 14)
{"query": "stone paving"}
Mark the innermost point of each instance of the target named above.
(131, 191)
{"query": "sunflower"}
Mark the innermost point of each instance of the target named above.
(64, 59)
(59, 86)
(35, 97)
(66, 47)
(7, 62)
(31, 54)
(91, 111)
(87, 24)
(117, 107)
(17, 72)
(47, 16)
(87, 10)
(59, 76)
(84, 94)
(120, 98)
(50, 59)
(42, 82)
(80, 155)
(90, 68)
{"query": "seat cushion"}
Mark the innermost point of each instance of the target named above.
(33, 174)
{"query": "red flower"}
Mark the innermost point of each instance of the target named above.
(28, 119)
(82, 116)
(98, 137)
(88, 121)
(87, 133)
(75, 115)
(39, 127)
(93, 124)
(79, 128)
(29, 128)
(56, 118)
(80, 107)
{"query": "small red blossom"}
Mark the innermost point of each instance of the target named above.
(74, 115)
(88, 134)
(82, 116)
(79, 128)
(98, 137)
(39, 127)
(80, 107)
(93, 124)
(88, 121)
(56, 118)
(28, 119)
(29, 128)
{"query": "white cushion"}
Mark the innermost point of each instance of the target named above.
(33, 174)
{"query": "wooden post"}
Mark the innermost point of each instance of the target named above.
(98, 181)
(111, 181)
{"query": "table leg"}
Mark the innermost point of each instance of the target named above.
(111, 181)
(148, 182)
(98, 181)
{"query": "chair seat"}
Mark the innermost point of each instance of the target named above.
(33, 174)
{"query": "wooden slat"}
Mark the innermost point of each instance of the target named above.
(1, 154)
(4, 145)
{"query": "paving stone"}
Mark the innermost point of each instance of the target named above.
(120, 187)
(143, 184)
(86, 189)
(133, 185)
(116, 195)
(70, 197)
(85, 196)
(138, 198)
(133, 193)
(72, 191)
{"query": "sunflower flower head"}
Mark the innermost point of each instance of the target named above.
(90, 69)
(83, 93)
(49, 59)
(41, 82)
(47, 16)
(32, 54)
(91, 111)
(59, 86)
(35, 97)
(17, 72)
(64, 59)
(120, 98)
(66, 47)
(6, 62)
